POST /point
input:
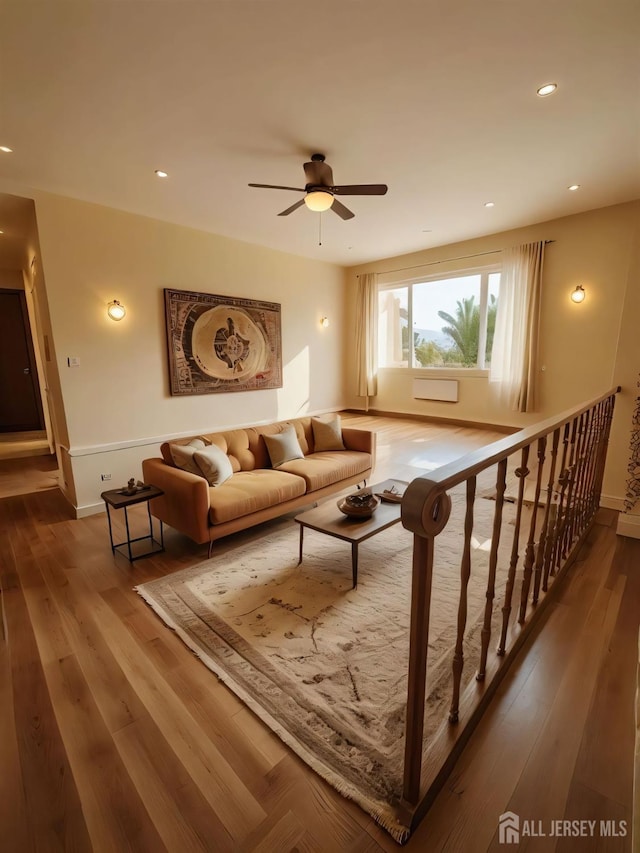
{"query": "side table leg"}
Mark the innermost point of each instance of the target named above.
(126, 521)
(110, 528)
(354, 563)
(301, 539)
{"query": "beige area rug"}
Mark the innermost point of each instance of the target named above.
(325, 666)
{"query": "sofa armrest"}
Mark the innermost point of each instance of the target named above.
(185, 503)
(360, 439)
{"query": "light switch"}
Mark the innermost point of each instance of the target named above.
(73, 361)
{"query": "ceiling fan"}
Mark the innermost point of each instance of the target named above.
(320, 192)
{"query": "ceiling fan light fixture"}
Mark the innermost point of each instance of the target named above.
(318, 200)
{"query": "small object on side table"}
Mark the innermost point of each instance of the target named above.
(122, 499)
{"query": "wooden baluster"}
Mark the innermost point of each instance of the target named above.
(571, 468)
(485, 634)
(465, 572)
(530, 553)
(598, 421)
(604, 443)
(576, 485)
(574, 523)
(433, 522)
(537, 568)
(545, 533)
(563, 481)
(587, 449)
(521, 473)
(551, 518)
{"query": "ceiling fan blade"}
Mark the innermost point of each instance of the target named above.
(361, 189)
(342, 211)
(272, 187)
(292, 208)
(318, 173)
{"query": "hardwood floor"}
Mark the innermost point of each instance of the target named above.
(21, 476)
(113, 736)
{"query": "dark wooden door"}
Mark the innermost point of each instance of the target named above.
(20, 405)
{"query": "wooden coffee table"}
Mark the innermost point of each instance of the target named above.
(328, 519)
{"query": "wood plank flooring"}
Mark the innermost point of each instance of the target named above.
(114, 737)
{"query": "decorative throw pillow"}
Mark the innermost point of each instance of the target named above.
(327, 434)
(214, 465)
(182, 455)
(283, 447)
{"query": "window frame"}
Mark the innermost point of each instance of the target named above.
(391, 282)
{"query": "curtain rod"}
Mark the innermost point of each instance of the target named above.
(447, 260)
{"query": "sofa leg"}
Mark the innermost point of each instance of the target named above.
(210, 548)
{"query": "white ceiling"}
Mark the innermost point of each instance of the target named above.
(436, 99)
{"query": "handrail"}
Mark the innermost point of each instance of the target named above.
(567, 481)
(420, 495)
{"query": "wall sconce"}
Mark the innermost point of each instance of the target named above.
(578, 294)
(324, 322)
(116, 310)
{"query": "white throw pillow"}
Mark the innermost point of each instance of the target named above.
(182, 455)
(327, 434)
(214, 465)
(283, 446)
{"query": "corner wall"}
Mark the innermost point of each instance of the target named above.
(117, 402)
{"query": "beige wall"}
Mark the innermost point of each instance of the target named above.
(627, 375)
(117, 402)
(579, 343)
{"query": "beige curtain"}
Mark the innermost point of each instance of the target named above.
(514, 359)
(367, 335)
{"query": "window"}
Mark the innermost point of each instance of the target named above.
(452, 321)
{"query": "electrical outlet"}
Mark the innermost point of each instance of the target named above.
(104, 477)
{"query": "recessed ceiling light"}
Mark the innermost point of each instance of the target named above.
(5, 149)
(547, 89)
(574, 187)
(489, 204)
(162, 174)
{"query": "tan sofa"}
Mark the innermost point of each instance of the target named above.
(255, 492)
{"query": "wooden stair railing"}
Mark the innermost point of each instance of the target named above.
(570, 453)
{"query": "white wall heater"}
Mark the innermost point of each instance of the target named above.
(436, 389)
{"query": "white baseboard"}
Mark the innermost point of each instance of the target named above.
(628, 525)
(612, 502)
(89, 509)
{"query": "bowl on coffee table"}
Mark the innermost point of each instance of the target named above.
(360, 505)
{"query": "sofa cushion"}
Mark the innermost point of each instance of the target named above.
(182, 455)
(258, 445)
(327, 434)
(214, 465)
(250, 491)
(283, 447)
(235, 443)
(323, 469)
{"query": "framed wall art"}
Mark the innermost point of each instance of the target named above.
(218, 344)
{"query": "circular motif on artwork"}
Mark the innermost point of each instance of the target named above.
(227, 344)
